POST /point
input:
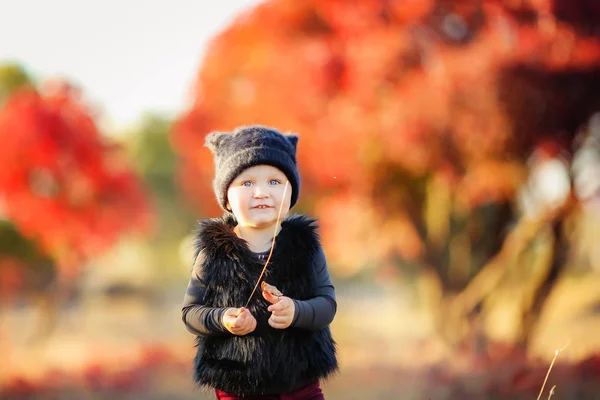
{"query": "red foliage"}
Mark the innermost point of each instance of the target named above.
(155, 356)
(62, 183)
(144, 377)
(506, 374)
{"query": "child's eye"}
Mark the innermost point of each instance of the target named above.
(247, 183)
(274, 182)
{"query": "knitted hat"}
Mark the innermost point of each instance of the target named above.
(248, 146)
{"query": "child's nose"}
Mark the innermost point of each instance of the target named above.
(260, 192)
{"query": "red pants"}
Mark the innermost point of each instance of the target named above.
(310, 392)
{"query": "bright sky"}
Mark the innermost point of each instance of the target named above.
(129, 56)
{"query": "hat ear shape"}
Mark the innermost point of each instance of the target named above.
(293, 139)
(215, 140)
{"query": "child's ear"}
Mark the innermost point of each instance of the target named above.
(215, 140)
(293, 139)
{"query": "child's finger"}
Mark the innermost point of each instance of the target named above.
(279, 322)
(240, 324)
(284, 313)
(278, 318)
(238, 328)
(278, 307)
(243, 317)
(248, 324)
(283, 304)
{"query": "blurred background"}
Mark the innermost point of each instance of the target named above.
(450, 149)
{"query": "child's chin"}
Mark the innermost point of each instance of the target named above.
(263, 215)
(263, 223)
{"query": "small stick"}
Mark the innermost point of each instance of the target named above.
(272, 246)
(548, 373)
(551, 392)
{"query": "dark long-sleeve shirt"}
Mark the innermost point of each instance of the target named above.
(312, 314)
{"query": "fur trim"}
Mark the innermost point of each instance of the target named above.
(266, 360)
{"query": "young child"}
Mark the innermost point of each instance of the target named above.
(280, 345)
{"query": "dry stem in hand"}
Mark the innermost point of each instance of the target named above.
(272, 290)
(272, 245)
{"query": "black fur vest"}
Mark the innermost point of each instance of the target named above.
(267, 360)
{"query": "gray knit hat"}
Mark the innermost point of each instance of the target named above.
(248, 146)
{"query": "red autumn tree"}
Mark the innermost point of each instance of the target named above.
(412, 114)
(62, 183)
(416, 120)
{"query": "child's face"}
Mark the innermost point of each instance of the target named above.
(256, 195)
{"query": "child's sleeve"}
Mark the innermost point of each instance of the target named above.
(319, 311)
(198, 318)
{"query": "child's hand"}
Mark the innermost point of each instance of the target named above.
(239, 321)
(282, 310)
